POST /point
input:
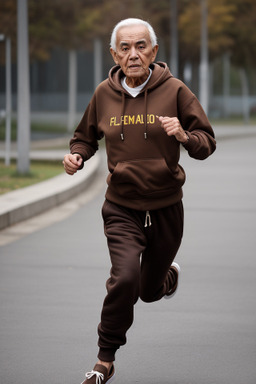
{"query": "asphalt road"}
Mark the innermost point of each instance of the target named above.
(52, 283)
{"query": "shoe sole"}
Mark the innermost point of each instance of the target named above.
(111, 379)
(167, 297)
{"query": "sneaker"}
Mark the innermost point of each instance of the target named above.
(99, 375)
(176, 269)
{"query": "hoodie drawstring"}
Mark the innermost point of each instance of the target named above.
(147, 220)
(122, 113)
(145, 115)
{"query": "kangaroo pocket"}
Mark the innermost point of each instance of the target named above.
(146, 177)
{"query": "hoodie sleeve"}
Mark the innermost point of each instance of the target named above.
(201, 139)
(86, 136)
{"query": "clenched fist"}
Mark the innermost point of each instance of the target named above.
(72, 163)
(172, 127)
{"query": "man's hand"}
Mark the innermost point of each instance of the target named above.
(172, 127)
(72, 163)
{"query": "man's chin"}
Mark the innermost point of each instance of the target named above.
(137, 74)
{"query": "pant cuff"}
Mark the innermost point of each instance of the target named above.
(107, 354)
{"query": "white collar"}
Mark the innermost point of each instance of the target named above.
(136, 90)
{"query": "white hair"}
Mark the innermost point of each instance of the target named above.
(129, 22)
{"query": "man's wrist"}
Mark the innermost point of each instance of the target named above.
(186, 139)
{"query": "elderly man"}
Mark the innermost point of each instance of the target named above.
(145, 114)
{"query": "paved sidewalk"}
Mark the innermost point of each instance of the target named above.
(22, 204)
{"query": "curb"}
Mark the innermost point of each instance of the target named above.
(27, 202)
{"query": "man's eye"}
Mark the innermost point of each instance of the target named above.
(141, 47)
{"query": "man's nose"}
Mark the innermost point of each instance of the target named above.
(133, 53)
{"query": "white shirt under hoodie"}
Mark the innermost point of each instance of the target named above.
(136, 90)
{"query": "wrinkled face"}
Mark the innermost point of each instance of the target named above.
(134, 53)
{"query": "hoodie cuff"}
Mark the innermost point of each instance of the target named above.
(190, 143)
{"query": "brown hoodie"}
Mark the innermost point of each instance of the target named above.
(144, 173)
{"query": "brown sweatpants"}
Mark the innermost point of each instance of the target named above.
(140, 256)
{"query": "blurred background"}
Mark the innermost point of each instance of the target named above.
(209, 44)
(53, 53)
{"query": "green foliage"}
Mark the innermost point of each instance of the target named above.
(74, 24)
(44, 27)
(221, 17)
(243, 33)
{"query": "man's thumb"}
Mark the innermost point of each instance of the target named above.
(79, 159)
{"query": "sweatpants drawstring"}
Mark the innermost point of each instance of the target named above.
(147, 220)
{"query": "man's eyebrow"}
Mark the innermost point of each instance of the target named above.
(124, 43)
(142, 41)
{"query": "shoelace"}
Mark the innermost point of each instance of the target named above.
(99, 376)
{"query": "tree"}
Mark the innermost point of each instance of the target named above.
(243, 33)
(243, 53)
(76, 24)
(8, 24)
(221, 17)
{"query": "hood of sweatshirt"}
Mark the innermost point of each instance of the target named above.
(160, 74)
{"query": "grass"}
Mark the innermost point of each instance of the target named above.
(39, 171)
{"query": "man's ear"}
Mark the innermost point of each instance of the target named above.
(114, 55)
(154, 50)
